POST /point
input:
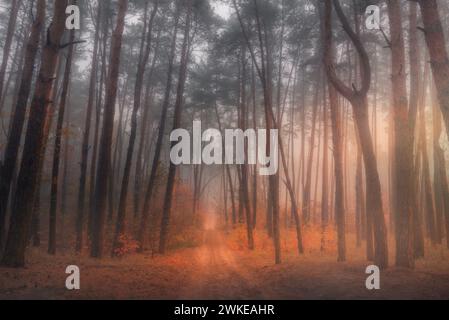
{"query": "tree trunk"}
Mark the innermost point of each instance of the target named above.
(244, 167)
(308, 183)
(358, 100)
(403, 144)
(104, 156)
(254, 118)
(176, 125)
(99, 106)
(160, 137)
(439, 170)
(8, 166)
(148, 101)
(57, 148)
(337, 139)
(360, 197)
(415, 88)
(439, 59)
(22, 205)
(373, 188)
(15, 5)
(86, 136)
(325, 181)
(120, 227)
(429, 207)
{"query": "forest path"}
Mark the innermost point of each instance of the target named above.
(222, 268)
(217, 273)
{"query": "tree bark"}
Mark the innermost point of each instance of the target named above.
(86, 135)
(104, 156)
(143, 59)
(415, 88)
(439, 59)
(337, 139)
(14, 255)
(403, 144)
(8, 167)
(15, 6)
(358, 100)
(166, 211)
(57, 148)
(160, 137)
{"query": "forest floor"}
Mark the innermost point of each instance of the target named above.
(218, 269)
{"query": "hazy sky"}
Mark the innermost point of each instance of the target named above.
(221, 9)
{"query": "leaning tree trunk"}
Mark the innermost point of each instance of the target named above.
(358, 100)
(104, 156)
(143, 59)
(22, 204)
(439, 59)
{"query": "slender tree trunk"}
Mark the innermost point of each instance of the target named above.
(439, 169)
(358, 100)
(308, 182)
(244, 167)
(254, 118)
(337, 139)
(373, 189)
(359, 196)
(428, 188)
(148, 101)
(160, 137)
(225, 199)
(325, 171)
(166, 211)
(403, 144)
(415, 88)
(99, 103)
(228, 174)
(418, 235)
(35, 228)
(104, 157)
(57, 148)
(15, 6)
(86, 135)
(65, 175)
(439, 59)
(120, 132)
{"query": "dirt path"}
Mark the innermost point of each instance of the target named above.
(218, 273)
(215, 270)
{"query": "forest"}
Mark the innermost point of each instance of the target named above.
(317, 145)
